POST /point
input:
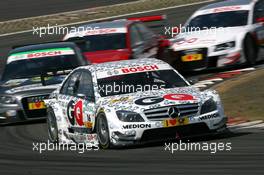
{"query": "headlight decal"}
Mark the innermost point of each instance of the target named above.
(225, 46)
(208, 106)
(7, 100)
(128, 116)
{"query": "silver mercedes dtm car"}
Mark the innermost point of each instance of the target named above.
(129, 102)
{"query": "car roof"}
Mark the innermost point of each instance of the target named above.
(42, 46)
(227, 3)
(110, 66)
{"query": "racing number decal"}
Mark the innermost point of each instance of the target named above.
(75, 111)
(155, 99)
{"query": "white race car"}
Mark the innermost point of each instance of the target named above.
(220, 34)
(129, 102)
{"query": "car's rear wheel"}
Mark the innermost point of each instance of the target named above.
(250, 50)
(52, 126)
(102, 131)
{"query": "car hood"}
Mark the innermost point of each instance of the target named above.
(29, 85)
(153, 99)
(107, 56)
(206, 38)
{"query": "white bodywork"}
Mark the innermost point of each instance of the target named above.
(125, 133)
(210, 38)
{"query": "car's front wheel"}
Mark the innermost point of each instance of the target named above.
(250, 50)
(52, 126)
(102, 131)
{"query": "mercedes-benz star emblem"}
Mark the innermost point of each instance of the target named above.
(173, 112)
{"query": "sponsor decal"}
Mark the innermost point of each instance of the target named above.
(131, 70)
(179, 97)
(36, 105)
(88, 124)
(40, 54)
(136, 126)
(157, 99)
(122, 99)
(78, 113)
(226, 9)
(140, 69)
(105, 31)
(70, 112)
(92, 138)
(175, 122)
(149, 100)
(75, 112)
(208, 117)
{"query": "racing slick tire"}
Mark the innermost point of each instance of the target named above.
(52, 126)
(250, 50)
(102, 131)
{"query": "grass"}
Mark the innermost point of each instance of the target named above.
(243, 96)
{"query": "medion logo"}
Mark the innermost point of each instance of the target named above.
(211, 116)
(135, 126)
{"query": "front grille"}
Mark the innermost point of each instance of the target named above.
(162, 134)
(38, 113)
(161, 113)
(179, 64)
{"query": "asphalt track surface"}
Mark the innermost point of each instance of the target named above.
(17, 156)
(16, 9)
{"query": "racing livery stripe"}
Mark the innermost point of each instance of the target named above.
(40, 53)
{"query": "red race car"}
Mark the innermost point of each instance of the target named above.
(119, 40)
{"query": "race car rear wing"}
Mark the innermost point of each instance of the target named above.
(156, 22)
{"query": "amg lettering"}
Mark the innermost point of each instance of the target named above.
(135, 126)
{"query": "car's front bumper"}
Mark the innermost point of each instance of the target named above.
(209, 61)
(156, 131)
(13, 113)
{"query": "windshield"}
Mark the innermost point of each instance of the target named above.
(140, 82)
(217, 20)
(35, 63)
(112, 41)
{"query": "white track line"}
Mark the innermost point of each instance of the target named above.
(205, 83)
(246, 124)
(241, 70)
(215, 79)
(199, 86)
(261, 125)
(117, 16)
